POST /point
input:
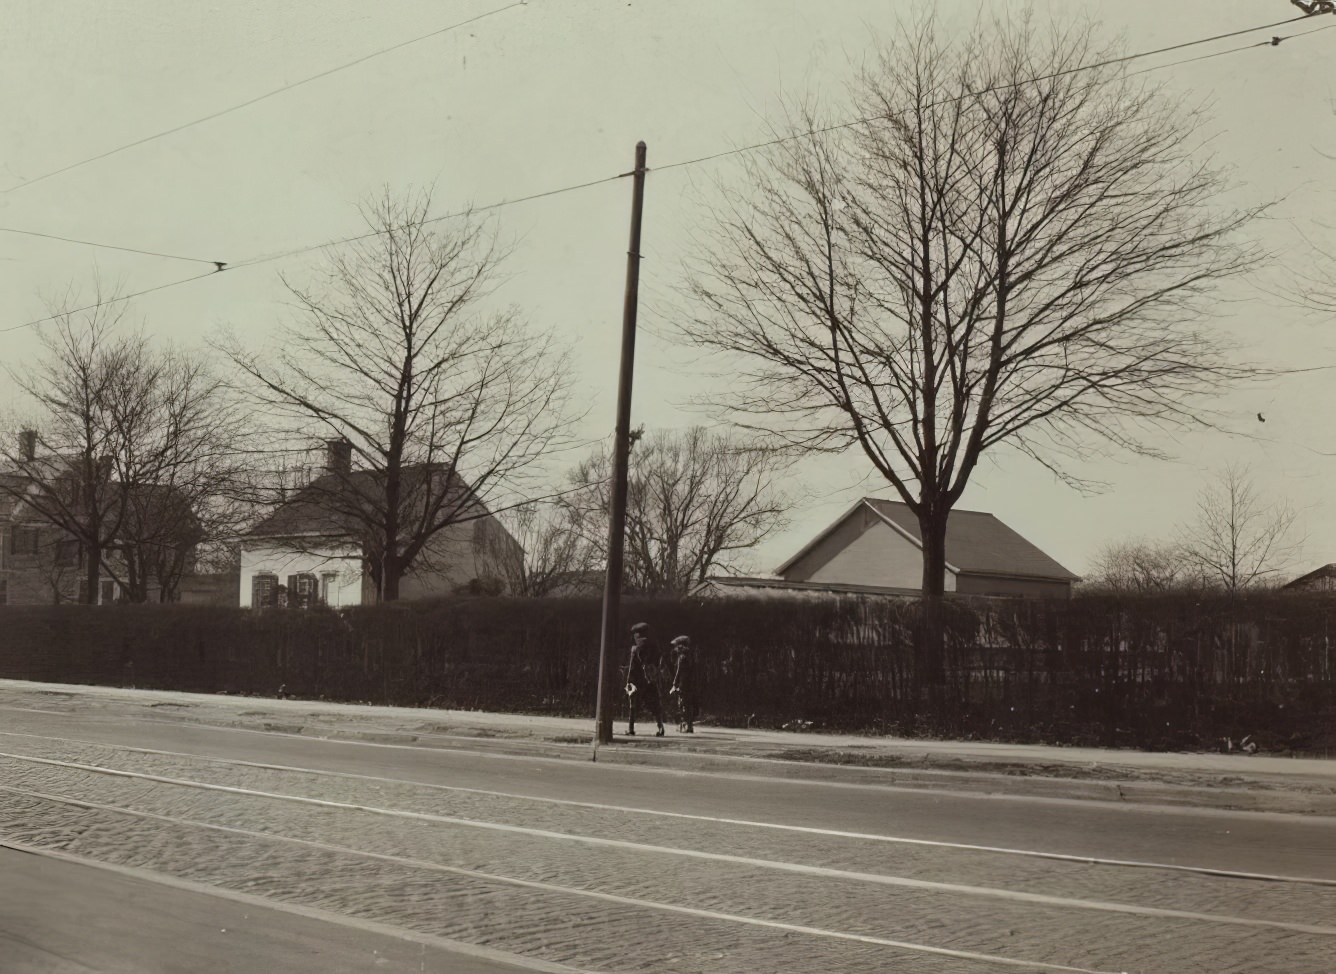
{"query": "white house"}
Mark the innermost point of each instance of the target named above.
(309, 550)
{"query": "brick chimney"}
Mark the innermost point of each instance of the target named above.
(27, 445)
(338, 457)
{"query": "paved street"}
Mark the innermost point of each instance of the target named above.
(59, 916)
(525, 848)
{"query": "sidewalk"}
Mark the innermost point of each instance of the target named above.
(1222, 781)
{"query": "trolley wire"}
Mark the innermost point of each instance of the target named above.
(221, 266)
(106, 246)
(257, 99)
(779, 140)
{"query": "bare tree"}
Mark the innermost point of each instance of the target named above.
(696, 501)
(443, 405)
(1008, 249)
(63, 476)
(545, 553)
(178, 465)
(1139, 566)
(55, 562)
(132, 454)
(1239, 539)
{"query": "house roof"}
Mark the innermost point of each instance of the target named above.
(1326, 571)
(306, 512)
(742, 583)
(12, 480)
(11, 485)
(977, 543)
(153, 509)
(327, 505)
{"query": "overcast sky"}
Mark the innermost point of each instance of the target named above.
(553, 93)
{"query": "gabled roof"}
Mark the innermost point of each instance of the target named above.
(1326, 571)
(976, 543)
(160, 509)
(326, 507)
(11, 485)
(743, 583)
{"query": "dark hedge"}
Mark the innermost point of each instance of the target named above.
(1168, 672)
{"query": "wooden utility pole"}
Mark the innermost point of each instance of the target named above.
(612, 585)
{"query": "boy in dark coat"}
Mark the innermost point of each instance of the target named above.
(641, 673)
(684, 684)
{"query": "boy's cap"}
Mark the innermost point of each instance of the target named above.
(681, 641)
(640, 627)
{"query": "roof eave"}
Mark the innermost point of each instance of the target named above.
(279, 536)
(819, 538)
(904, 533)
(1068, 577)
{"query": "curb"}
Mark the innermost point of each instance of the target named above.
(983, 773)
(703, 758)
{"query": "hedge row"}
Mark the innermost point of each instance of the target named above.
(1153, 672)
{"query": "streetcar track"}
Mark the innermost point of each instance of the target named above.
(296, 909)
(688, 816)
(823, 872)
(553, 888)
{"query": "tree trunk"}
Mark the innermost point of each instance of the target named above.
(92, 574)
(136, 576)
(390, 573)
(929, 669)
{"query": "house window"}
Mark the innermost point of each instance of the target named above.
(67, 554)
(5, 542)
(24, 540)
(264, 590)
(108, 593)
(303, 590)
(329, 582)
(4, 591)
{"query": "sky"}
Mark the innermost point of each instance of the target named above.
(526, 98)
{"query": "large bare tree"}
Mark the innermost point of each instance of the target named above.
(1239, 538)
(696, 501)
(1011, 248)
(444, 404)
(130, 450)
(64, 479)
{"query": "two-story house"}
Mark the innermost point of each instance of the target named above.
(150, 542)
(315, 548)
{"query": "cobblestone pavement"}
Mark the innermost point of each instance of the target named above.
(598, 886)
(600, 889)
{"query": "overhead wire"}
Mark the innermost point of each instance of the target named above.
(297, 251)
(673, 165)
(106, 246)
(1273, 42)
(779, 140)
(456, 214)
(258, 98)
(119, 299)
(222, 266)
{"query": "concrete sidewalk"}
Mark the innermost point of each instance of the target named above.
(1224, 781)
